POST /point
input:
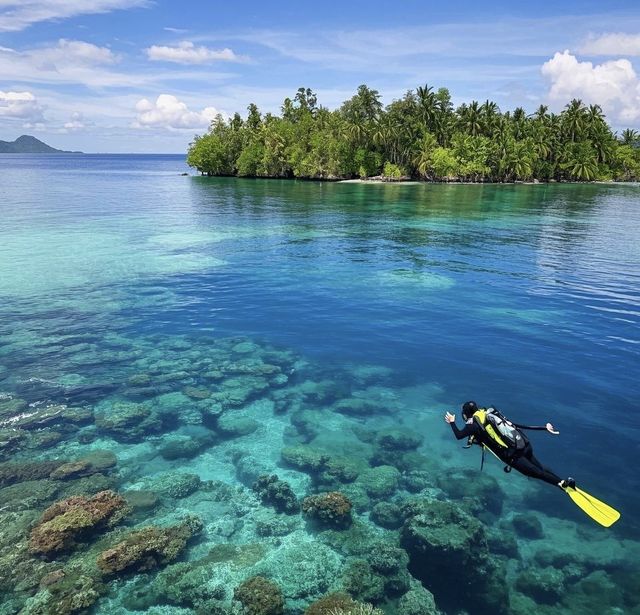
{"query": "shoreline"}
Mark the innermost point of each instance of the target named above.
(418, 182)
(467, 183)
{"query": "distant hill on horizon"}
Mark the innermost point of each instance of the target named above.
(26, 144)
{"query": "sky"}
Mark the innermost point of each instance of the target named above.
(147, 75)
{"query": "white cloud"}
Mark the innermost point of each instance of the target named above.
(187, 53)
(72, 61)
(76, 123)
(171, 113)
(21, 106)
(71, 53)
(68, 61)
(614, 84)
(20, 14)
(612, 44)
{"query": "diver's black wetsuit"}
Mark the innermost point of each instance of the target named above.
(524, 462)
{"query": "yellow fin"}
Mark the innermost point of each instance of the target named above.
(599, 511)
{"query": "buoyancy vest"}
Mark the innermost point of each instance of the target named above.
(499, 434)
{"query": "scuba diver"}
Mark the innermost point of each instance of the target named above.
(488, 428)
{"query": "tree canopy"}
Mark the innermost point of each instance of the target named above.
(421, 136)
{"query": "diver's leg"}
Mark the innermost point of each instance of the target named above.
(526, 466)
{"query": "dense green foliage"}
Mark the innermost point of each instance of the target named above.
(421, 136)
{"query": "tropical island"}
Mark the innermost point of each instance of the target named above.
(421, 136)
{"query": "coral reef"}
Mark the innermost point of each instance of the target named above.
(363, 583)
(94, 463)
(331, 509)
(70, 521)
(544, 585)
(441, 540)
(148, 548)
(337, 601)
(387, 515)
(260, 596)
(477, 491)
(64, 593)
(379, 482)
(304, 570)
(126, 421)
(277, 493)
(417, 601)
(176, 485)
(11, 473)
(217, 427)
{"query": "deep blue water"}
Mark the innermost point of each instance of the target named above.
(522, 296)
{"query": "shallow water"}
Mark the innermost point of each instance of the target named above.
(123, 281)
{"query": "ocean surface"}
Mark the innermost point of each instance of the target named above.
(209, 331)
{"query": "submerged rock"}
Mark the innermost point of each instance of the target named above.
(33, 418)
(94, 463)
(387, 515)
(64, 593)
(304, 570)
(379, 482)
(27, 495)
(417, 601)
(11, 440)
(544, 585)
(128, 422)
(10, 406)
(442, 539)
(305, 458)
(177, 484)
(230, 426)
(183, 447)
(275, 525)
(197, 393)
(141, 499)
(477, 490)
(399, 440)
(356, 406)
(11, 473)
(528, 526)
(75, 519)
(148, 548)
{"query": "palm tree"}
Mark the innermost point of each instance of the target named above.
(540, 114)
(489, 111)
(427, 106)
(470, 118)
(519, 120)
(594, 115)
(357, 131)
(581, 161)
(630, 137)
(603, 141)
(422, 157)
(542, 138)
(574, 118)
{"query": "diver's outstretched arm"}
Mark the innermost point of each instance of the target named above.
(548, 427)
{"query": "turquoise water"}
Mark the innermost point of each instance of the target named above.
(196, 327)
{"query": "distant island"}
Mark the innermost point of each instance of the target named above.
(26, 144)
(419, 136)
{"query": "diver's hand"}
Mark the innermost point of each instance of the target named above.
(551, 429)
(450, 418)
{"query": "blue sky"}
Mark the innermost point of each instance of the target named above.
(145, 75)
